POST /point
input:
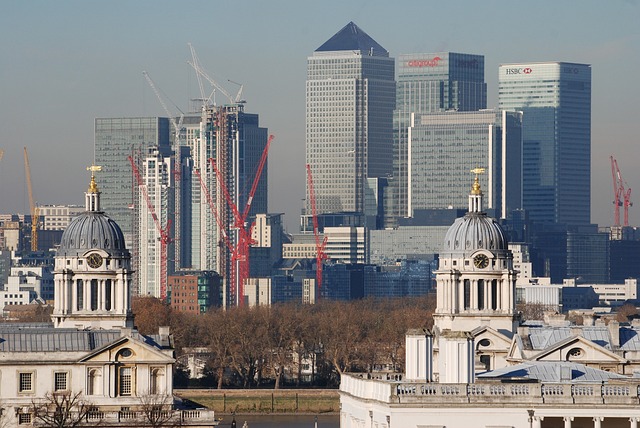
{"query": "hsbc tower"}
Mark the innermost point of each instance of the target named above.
(555, 98)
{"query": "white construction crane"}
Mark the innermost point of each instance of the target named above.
(239, 99)
(181, 133)
(195, 63)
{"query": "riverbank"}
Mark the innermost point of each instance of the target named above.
(265, 401)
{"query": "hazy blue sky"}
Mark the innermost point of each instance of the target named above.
(63, 63)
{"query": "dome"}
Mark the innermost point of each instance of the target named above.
(92, 230)
(475, 231)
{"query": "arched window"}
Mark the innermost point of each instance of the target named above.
(94, 382)
(156, 386)
(94, 294)
(467, 294)
(107, 295)
(79, 295)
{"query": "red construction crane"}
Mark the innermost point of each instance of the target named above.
(225, 238)
(240, 255)
(165, 239)
(621, 193)
(321, 256)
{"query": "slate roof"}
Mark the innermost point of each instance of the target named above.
(550, 371)
(352, 38)
(43, 339)
(542, 338)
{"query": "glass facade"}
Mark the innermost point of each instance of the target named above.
(555, 98)
(444, 147)
(350, 97)
(115, 140)
(429, 83)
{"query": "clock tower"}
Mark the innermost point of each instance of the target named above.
(92, 276)
(475, 278)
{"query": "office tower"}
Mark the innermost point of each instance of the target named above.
(444, 147)
(429, 83)
(236, 142)
(555, 98)
(154, 262)
(115, 140)
(349, 109)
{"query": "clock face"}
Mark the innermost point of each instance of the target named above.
(94, 260)
(481, 261)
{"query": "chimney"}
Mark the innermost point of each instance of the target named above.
(614, 333)
(164, 330)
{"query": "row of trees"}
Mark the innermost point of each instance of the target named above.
(250, 347)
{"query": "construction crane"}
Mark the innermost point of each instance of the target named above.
(180, 132)
(164, 239)
(32, 204)
(240, 254)
(321, 245)
(195, 63)
(239, 99)
(621, 194)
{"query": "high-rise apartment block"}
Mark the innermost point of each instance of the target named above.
(444, 147)
(555, 98)
(349, 108)
(154, 262)
(429, 83)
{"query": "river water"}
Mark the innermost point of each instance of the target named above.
(282, 421)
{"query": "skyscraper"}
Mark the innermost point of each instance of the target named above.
(349, 107)
(115, 140)
(429, 83)
(555, 98)
(442, 149)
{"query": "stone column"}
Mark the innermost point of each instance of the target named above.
(537, 421)
(86, 283)
(567, 421)
(597, 422)
(634, 422)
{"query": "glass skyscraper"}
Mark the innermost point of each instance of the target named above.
(349, 118)
(429, 83)
(444, 147)
(555, 98)
(115, 140)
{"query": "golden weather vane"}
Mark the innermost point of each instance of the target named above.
(93, 187)
(475, 189)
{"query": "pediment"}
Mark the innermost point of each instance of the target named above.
(497, 340)
(516, 349)
(578, 349)
(127, 349)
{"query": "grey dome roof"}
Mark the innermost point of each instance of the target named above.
(475, 231)
(92, 230)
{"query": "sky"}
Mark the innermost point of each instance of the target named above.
(65, 63)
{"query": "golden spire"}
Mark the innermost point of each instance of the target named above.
(93, 187)
(475, 189)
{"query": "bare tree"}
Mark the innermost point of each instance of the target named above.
(157, 410)
(61, 410)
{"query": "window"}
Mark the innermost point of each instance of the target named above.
(93, 382)
(125, 381)
(24, 418)
(26, 382)
(60, 381)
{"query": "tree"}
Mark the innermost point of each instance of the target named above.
(150, 314)
(157, 410)
(626, 312)
(61, 410)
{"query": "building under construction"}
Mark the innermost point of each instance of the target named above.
(235, 142)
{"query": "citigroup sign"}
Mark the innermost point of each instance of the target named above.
(520, 70)
(424, 62)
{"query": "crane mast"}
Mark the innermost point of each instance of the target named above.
(321, 245)
(32, 204)
(621, 194)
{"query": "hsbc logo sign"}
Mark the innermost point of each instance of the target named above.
(522, 70)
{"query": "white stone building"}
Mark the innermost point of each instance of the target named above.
(92, 349)
(479, 367)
